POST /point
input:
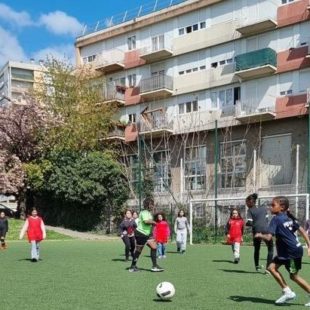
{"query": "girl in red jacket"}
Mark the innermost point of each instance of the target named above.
(234, 233)
(35, 228)
(161, 234)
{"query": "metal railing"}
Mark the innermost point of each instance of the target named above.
(251, 106)
(129, 15)
(158, 43)
(156, 82)
(155, 122)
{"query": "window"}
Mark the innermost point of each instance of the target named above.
(132, 118)
(181, 72)
(132, 80)
(233, 164)
(287, 1)
(188, 29)
(188, 107)
(158, 43)
(188, 70)
(162, 175)
(131, 42)
(181, 31)
(214, 65)
(225, 99)
(195, 69)
(202, 25)
(195, 27)
(202, 68)
(89, 59)
(195, 167)
(22, 74)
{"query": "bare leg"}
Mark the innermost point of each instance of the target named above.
(301, 282)
(273, 268)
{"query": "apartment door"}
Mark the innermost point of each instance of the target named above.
(276, 165)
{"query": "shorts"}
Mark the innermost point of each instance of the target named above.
(141, 239)
(292, 265)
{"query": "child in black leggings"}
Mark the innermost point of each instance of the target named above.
(127, 228)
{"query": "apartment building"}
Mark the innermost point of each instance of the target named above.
(212, 95)
(17, 79)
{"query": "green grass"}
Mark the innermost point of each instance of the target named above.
(16, 225)
(92, 275)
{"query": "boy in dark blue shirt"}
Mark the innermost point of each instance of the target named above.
(289, 250)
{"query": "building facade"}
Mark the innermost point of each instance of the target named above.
(212, 95)
(17, 79)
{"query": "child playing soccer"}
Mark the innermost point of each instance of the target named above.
(35, 228)
(127, 228)
(234, 233)
(161, 234)
(181, 227)
(289, 250)
(4, 227)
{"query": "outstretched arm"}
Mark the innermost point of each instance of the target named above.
(306, 237)
(43, 229)
(24, 229)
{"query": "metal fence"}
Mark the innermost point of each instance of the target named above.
(156, 82)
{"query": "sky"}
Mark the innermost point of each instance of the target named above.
(40, 28)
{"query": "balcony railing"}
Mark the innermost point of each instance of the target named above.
(159, 49)
(116, 133)
(249, 27)
(256, 64)
(155, 124)
(156, 83)
(250, 110)
(110, 61)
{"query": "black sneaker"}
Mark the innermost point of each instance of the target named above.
(157, 269)
(34, 260)
(133, 269)
(236, 260)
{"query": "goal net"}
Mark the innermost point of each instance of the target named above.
(208, 217)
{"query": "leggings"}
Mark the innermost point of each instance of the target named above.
(257, 243)
(130, 244)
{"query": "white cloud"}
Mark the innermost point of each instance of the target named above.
(10, 48)
(59, 22)
(13, 17)
(64, 52)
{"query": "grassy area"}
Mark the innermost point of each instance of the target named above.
(16, 225)
(92, 275)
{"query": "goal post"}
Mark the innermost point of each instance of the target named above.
(214, 212)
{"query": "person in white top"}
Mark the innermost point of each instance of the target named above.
(181, 227)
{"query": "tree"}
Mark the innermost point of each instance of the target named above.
(74, 98)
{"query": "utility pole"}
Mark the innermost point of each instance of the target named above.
(215, 179)
(139, 173)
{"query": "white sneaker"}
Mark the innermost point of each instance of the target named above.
(285, 297)
(307, 304)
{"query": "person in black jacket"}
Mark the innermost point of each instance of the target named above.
(4, 227)
(127, 229)
(258, 220)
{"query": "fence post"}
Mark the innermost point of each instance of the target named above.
(190, 222)
(297, 180)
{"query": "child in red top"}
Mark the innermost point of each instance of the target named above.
(161, 234)
(234, 233)
(35, 228)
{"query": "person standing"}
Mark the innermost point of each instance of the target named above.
(258, 220)
(4, 228)
(234, 233)
(181, 226)
(143, 235)
(35, 228)
(127, 228)
(289, 250)
(161, 234)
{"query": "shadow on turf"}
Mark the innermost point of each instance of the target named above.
(27, 260)
(237, 271)
(160, 300)
(257, 300)
(119, 260)
(222, 261)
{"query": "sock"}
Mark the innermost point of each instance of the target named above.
(153, 257)
(287, 290)
(135, 258)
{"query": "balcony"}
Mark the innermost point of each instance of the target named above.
(114, 94)
(156, 87)
(159, 50)
(204, 79)
(256, 64)
(117, 134)
(155, 124)
(247, 28)
(248, 111)
(110, 61)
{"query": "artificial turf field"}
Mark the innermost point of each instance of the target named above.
(92, 275)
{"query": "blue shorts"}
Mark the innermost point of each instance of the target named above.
(292, 265)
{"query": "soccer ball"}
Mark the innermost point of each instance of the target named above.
(165, 290)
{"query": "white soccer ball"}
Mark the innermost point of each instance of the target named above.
(165, 290)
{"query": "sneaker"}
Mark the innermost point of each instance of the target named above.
(133, 269)
(183, 252)
(34, 260)
(157, 269)
(267, 273)
(236, 260)
(159, 257)
(285, 297)
(307, 304)
(164, 256)
(178, 249)
(259, 268)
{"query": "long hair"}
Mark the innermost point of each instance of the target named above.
(284, 202)
(235, 209)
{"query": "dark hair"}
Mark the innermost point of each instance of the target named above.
(235, 209)
(127, 211)
(253, 196)
(180, 212)
(283, 201)
(160, 213)
(147, 202)
(134, 211)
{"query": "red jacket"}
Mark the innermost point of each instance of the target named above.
(234, 229)
(161, 232)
